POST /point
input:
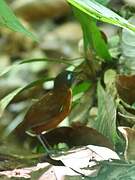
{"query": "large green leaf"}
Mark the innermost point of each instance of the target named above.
(101, 13)
(9, 20)
(7, 99)
(92, 36)
(103, 2)
(106, 119)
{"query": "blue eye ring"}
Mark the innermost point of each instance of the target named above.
(69, 76)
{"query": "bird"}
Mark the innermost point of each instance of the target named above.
(51, 109)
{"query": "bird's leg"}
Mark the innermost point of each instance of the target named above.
(44, 143)
(50, 151)
(49, 157)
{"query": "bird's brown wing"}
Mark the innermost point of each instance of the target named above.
(42, 111)
(59, 116)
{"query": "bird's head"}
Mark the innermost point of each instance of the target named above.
(64, 79)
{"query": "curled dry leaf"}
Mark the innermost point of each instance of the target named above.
(60, 173)
(33, 10)
(129, 135)
(85, 160)
(126, 88)
(77, 135)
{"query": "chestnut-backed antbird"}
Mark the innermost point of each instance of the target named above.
(52, 108)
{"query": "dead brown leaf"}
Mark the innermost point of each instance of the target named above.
(126, 88)
(129, 135)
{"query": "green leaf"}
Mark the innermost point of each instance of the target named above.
(9, 20)
(92, 36)
(103, 2)
(7, 99)
(64, 61)
(98, 42)
(106, 119)
(82, 87)
(101, 13)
